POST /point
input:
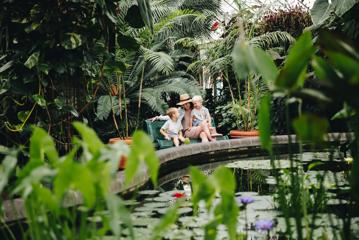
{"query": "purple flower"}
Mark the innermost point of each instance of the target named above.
(245, 200)
(264, 225)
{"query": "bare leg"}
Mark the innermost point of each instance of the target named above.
(203, 137)
(206, 130)
(175, 141)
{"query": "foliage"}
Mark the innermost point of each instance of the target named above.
(155, 64)
(48, 187)
(309, 127)
(293, 20)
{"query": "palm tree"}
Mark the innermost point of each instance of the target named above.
(155, 64)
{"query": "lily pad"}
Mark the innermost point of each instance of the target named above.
(131, 202)
(258, 164)
(144, 222)
(149, 192)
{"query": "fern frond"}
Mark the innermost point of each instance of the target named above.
(273, 39)
(160, 61)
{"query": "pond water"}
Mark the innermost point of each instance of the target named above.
(255, 179)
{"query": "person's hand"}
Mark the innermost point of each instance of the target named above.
(167, 137)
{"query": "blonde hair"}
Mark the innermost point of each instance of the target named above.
(171, 111)
(197, 98)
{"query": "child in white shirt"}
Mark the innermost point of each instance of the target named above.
(172, 129)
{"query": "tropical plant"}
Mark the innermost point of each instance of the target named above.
(155, 62)
(289, 81)
(51, 192)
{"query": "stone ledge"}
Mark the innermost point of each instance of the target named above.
(13, 209)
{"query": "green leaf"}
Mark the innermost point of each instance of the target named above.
(166, 221)
(72, 41)
(247, 58)
(146, 13)
(322, 11)
(224, 180)
(118, 211)
(46, 198)
(39, 99)
(22, 115)
(210, 230)
(345, 113)
(347, 65)
(310, 128)
(33, 60)
(264, 123)
(89, 137)
(142, 150)
(35, 176)
(104, 106)
(202, 189)
(8, 164)
(227, 211)
(160, 61)
(41, 143)
(6, 66)
(296, 62)
(265, 65)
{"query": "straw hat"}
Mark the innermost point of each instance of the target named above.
(184, 98)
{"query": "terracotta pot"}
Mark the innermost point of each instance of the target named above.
(240, 134)
(127, 140)
(123, 159)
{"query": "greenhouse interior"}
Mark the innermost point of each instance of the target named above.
(179, 119)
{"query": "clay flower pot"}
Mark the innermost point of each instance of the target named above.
(123, 159)
(240, 134)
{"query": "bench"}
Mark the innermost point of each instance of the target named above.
(153, 130)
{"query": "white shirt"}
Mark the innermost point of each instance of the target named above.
(172, 127)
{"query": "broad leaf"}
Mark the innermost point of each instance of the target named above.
(118, 211)
(202, 189)
(142, 150)
(264, 123)
(8, 164)
(291, 75)
(33, 60)
(146, 13)
(39, 99)
(310, 128)
(89, 137)
(166, 221)
(72, 41)
(41, 143)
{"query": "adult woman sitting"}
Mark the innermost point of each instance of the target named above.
(185, 109)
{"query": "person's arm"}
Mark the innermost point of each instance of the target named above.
(160, 118)
(163, 131)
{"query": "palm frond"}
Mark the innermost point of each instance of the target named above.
(160, 61)
(152, 96)
(273, 39)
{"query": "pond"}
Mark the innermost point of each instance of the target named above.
(255, 183)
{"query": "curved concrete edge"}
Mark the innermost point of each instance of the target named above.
(13, 209)
(170, 154)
